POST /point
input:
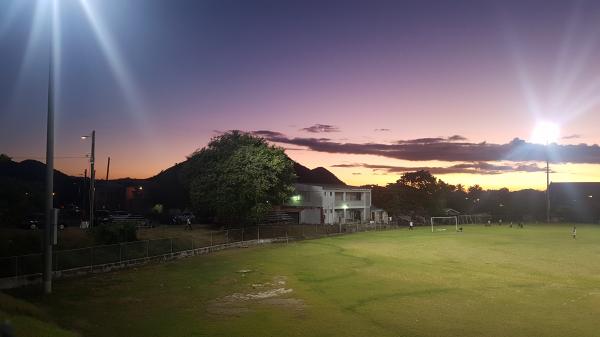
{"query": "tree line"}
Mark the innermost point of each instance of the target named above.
(420, 194)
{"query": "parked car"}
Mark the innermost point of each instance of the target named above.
(37, 220)
(34, 221)
(102, 216)
(182, 218)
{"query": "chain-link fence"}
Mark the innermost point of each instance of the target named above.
(95, 256)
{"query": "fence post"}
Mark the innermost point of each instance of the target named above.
(227, 235)
(211, 239)
(120, 252)
(194, 246)
(92, 258)
(258, 235)
(56, 260)
(171, 240)
(147, 249)
(242, 235)
(17, 267)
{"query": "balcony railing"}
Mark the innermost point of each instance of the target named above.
(350, 204)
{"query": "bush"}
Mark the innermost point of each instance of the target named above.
(20, 242)
(115, 232)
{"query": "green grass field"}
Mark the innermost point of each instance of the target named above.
(486, 281)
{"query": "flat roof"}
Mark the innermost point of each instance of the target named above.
(337, 187)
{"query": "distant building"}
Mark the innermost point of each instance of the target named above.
(575, 201)
(330, 204)
(379, 216)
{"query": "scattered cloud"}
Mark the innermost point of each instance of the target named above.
(452, 149)
(268, 134)
(456, 138)
(382, 130)
(321, 128)
(574, 136)
(433, 140)
(466, 168)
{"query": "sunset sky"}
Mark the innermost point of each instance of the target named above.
(367, 89)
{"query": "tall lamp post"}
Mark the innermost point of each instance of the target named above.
(546, 132)
(49, 202)
(49, 183)
(92, 175)
(547, 184)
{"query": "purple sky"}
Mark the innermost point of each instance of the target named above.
(158, 78)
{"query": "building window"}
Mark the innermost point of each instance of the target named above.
(339, 196)
(354, 196)
(305, 195)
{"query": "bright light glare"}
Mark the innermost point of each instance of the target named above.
(545, 132)
(116, 61)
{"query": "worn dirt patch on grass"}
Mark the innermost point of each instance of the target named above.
(269, 293)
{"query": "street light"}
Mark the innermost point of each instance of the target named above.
(49, 207)
(92, 175)
(546, 132)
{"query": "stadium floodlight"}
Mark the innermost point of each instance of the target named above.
(545, 133)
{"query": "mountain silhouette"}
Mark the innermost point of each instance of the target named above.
(166, 188)
(317, 176)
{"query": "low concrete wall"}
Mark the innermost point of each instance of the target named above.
(24, 280)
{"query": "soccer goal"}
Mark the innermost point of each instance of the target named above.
(444, 220)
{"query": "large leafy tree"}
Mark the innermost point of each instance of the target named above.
(238, 177)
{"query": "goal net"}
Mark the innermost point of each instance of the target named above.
(444, 221)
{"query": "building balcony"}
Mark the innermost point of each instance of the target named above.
(350, 204)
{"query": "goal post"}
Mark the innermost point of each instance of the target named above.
(447, 220)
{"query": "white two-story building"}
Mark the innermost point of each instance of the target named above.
(330, 204)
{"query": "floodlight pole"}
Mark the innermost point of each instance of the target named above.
(48, 240)
(547, 185)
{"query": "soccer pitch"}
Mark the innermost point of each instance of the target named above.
(486, 281)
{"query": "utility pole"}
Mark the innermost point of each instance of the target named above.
(107, 171)
(92, 178)
(107, 168)
(49, 179)
(83, 205)
(547, 186)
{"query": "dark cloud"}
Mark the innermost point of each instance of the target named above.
(381, 130)
(444, 149)
(267, 134)
(456, 138)
(575, 136)
(468, 168)
(320, 128)
(434, 140)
